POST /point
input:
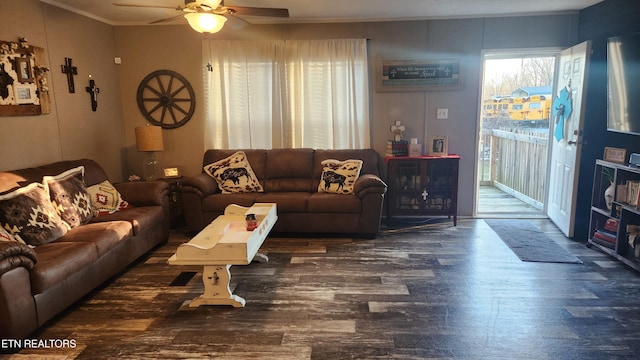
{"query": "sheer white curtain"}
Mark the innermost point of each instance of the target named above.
(273, 94)
(242, 93)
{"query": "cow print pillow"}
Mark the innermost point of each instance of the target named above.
(234, 174)
(339, 177)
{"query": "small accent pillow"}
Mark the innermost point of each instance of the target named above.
(105, 199)
(29, 217)
(338, 177)
(68, 194)
(234, 174)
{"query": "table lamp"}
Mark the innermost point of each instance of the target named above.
(149, 139)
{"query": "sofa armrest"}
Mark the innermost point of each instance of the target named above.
(201, 185)
(14, 254)
(143, 193)
(369, 184)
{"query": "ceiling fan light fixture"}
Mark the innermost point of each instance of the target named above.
(205, 22)
(204, 4)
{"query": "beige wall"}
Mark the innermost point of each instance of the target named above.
(145, 49)
(73, 130)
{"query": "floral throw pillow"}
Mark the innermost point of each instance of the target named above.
(69, 196)
(234, 174)
(339, 177)
(29, 217)
(105, 199)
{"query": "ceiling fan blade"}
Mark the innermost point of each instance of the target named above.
(256, 11)
(167, 19)
(149, 6)
(235, 22)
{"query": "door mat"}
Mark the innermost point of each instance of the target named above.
(529, 243)
(183, 278)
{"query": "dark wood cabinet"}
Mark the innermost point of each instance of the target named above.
(615, 212)
(423, 187)
(175, 202)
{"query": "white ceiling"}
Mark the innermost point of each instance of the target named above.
(307, 11)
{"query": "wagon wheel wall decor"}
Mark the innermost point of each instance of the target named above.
(166, 99)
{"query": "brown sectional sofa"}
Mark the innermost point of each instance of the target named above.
(36, 283)
(290, 178)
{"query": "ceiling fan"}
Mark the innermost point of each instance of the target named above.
(209, 16)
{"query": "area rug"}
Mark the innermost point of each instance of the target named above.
(530, 243)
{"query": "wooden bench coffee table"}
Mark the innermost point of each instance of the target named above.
(225, 242)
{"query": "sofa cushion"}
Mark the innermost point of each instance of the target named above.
(68, 194)
(105, 199)
(333, 203)
(27, 214)
(104, 235)
(338, 177)
(58, 261)
(141, 218)
(289, 170)
(287, 201)
(234, 174)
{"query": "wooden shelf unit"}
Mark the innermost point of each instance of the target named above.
(613, 222)
(425, 186)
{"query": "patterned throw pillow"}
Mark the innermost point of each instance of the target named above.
(68, 194)
(105, 199)
(338, 177)
(28, 216)
(234, 174)
(5, 236)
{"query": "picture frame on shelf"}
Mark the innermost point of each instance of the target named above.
(615, 155)
(170, 172)
(437, 146)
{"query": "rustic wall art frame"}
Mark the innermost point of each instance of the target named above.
(23, 79)
(406, 74)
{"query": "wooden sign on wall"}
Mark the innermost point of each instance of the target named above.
(23, 82)
(418, 74)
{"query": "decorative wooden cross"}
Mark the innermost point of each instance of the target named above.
(424, 195)
(93, 90)
(397, 130)
(70, 70)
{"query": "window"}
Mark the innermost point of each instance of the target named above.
(271, 94)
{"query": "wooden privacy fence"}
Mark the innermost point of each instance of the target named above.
(519, 163)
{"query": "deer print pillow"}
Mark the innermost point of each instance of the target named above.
(338, 177)
(234, 174)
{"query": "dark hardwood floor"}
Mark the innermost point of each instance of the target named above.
(427, 292)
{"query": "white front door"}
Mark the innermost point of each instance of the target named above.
(567, 120)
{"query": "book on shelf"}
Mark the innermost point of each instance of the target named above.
(611, 225)
(633, 191)
(397, 148)
(621, 193)
(605, 235)
(603, 243)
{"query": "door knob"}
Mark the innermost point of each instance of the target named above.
(571, 142)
